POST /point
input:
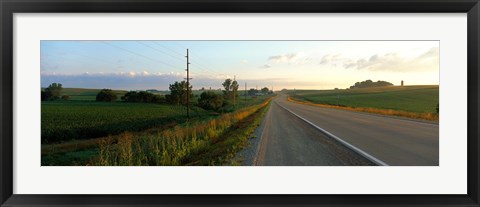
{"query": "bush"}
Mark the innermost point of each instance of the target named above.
(210, 101)
(142, 97)
(106, 95)
(52, 92)
(45, 96)
(65, 97)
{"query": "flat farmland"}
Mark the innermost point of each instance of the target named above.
(72, 120)
(417, 99)
(86, 94)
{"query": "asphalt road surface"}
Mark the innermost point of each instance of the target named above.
(298, 134)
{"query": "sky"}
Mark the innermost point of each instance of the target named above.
(141, 65)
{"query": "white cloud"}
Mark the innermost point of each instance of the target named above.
(265, 66)
(394, 62)
(132, 74)
(331, 59)
(288, 58)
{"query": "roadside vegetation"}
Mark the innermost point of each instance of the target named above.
(418, 102)
(211, 142)
(73, 128)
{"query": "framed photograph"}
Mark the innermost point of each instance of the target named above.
(239, 103)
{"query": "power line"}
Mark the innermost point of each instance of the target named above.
(167, 48)
(196, 62)
(77, 53)
(205, 71)
(177, 58)
(203, 62)
(146, 57)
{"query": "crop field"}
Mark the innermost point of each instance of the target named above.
(73, 130)
(71, 120)
(85, 94)
(417, 99)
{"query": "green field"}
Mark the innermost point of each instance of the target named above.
(418, 99)
(83, 118)
(85, 94)
(72, 131)
(68, 120)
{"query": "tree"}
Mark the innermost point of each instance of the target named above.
(45, 96)
(142, 97)
(265, 90)
(370, 84)
(106, 95)
(252, 92)
(231, 88)
(210, 100)
(178, 93)
(234, 89)
(227, 84)
(52, 92)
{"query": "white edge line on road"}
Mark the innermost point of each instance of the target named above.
(359, 151)
(263, 123)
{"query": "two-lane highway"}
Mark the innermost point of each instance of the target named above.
(298, 134)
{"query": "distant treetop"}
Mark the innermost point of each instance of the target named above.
(370, 84)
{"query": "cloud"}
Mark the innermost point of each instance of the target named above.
(128, 80)
(286, 58)
(289, 58)
(244, 61)
(331, 59)
(265, 66)
(393, 62)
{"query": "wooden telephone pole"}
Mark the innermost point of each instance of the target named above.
(188, 86)
(245, 93)
(234, 77)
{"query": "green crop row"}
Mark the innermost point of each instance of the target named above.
(71, 120)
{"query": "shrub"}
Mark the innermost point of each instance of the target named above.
(210, 101)
(65, 97)
(106, 95)
(142, 97)
(45, 96)
(52, 92)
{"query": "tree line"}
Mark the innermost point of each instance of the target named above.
(370, 84)
(209, 100)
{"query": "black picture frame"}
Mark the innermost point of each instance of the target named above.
(9, 7)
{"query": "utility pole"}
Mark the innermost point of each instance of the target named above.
(245, 93)
(188, 86)
(234, 77)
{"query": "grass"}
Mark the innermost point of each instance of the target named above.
(418, 102)
(70, 120)
(224, 148)
(98, 122)
(86, 94)
(211, 142)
